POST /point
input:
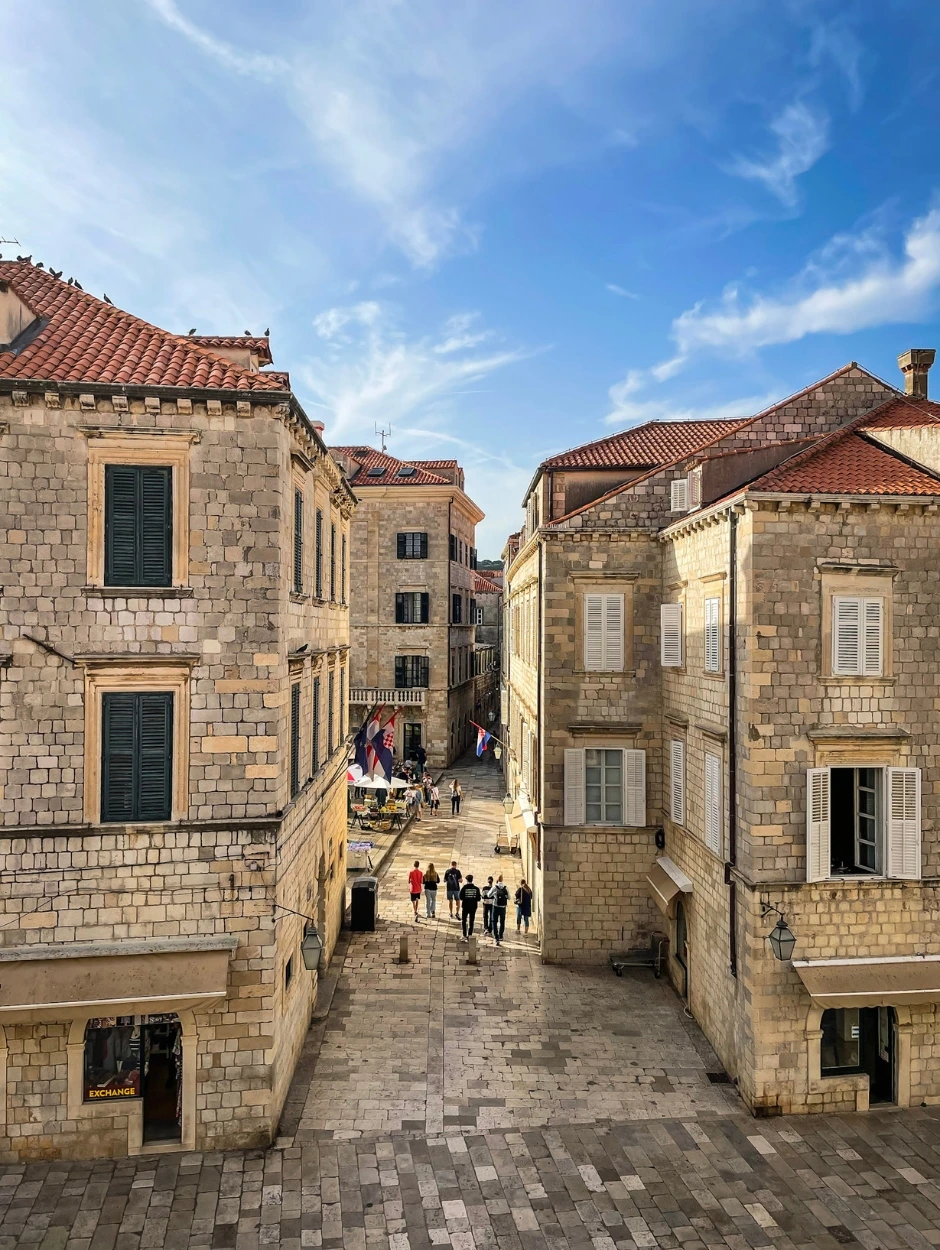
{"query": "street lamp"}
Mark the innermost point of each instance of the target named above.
(497, 752)
(508, 804)
(781, 939)
(311, 948)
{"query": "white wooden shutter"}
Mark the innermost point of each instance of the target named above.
(670, 635)
(818, 854)
(873, 648)
(593, 632)
(713, 803)
(574, 787)
(677, 781)
(634, 788)
(846, 635)
(613, 633)
(695, 488)
(679, 495)
(904, 823)
(712, 636)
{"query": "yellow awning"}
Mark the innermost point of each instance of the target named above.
(515, 825)
(895, 981)
(665, 881)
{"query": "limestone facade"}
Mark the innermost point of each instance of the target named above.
(177, 932)
(757, 617)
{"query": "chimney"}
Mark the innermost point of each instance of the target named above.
(320, 427)
(915, 365)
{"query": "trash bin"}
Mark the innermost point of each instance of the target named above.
(364, 907)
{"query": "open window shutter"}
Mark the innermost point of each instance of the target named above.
(399, 608)
(846, 635)
(318, 537)
(574, 787)
(342, 573)
(677, 781)
(117, 756)
(634, 788)
(613, 633)
(295, 737)
(120, 525)
(156, 526)
(872, 657)
(670, 638)
(904, 823)
(315, 725)
(679, 495)
(695, 488)
(425, 608)
(593, 633)
(713, 803)
(298, 541)
(712, 636)
(423, 546)
(154, 756)
(818, 853)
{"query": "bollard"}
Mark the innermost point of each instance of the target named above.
(472, 951)
(403, 949)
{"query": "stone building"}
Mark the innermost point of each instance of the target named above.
(173, 678)
(412, 601)
(721, 687)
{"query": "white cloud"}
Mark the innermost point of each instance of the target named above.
(329, 322)
(835, 42)
(802, 137)
(626, 412)
(224, 53)
(621, 291)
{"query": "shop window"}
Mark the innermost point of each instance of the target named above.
(861, 1040)
(112, 1059)
(138, 1057)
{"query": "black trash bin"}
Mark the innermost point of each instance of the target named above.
(364, 908)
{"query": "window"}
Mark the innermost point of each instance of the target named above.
(857, 636)
(606, 786)
(713, 805)
(342, 574)
(342, 703)
(695, 488)
(138, 525)
(332, 564)
(840, 1051)
(136, 755)
(679, 495)
(412, 740)
(318, 537)
(412, 546)
(603, 633)
(863, 821)
(478, 618)
(315, 726)
(670, 635)
(677, 781)
(294, 738)
(411, 671)
(288, 972)
(457, 609)
(473, 557)
(298, 542)
(412, 608)
(330, 712)
(112, 1059)
(453, 547)
(712, 635)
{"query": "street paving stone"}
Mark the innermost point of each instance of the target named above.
(502, 1106)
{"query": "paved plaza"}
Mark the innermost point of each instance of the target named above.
(500, 1106)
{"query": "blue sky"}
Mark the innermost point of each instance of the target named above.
(503, 229)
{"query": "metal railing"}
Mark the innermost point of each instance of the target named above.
(363, 695)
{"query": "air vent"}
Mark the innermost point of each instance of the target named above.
(377, 470)
(407, 470)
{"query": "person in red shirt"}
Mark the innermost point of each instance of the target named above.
(415, 882)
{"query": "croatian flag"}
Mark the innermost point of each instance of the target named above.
(482, 739)
(384, 748)
(373, 729)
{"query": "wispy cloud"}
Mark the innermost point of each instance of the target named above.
(626, 412)
(836, 43)
(223, 52)
(802, 136)
(621, 291)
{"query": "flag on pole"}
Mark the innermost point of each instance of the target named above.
(372, 732)
(384, 748)
(482, 739)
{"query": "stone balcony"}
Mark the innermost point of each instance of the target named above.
(365, 695)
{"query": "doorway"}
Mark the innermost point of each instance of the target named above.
(682, 951)
(862, 1040)
(162, 1083)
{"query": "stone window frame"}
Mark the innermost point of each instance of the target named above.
(598, 582)
(140, 674)
(816, 1083)
(138, 447)
(853, 582)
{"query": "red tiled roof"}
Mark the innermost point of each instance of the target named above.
(368, 458)
(848, 464)
(87, 340)
(483, 586)
(260, 344)
(645, 446)
(436, 464)
(898, 414)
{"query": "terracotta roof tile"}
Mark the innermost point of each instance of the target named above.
(368, 458)
(898, 414)
(848, 464)
(483, 586)
(645, 446)
(86, 340)
(436, 464)
(260, 344)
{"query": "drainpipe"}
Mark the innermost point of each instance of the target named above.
(732, 741)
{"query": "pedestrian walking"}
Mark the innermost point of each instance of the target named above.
(452, 879)
(422, 757)
(415, 882)
(500, 903)
(456, 794)
(430, 891)
(523, 902)
(469, 899)
(435, 798)
(487, 893)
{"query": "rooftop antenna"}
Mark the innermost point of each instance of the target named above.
(383, 434)
(16, 241)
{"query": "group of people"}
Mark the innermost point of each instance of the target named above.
(466, 896)
(426, 791)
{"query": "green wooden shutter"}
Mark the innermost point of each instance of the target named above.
(154, 756)
(315, 714)
(402, 552)
(330, 712)
(156, 526)
(118, 714)
(332, 563)
(298, 541)
(342, 574)
(138, 525)
(120, 525)
(399, 608)
(319, 554)
(294, 738)
(425, 608)
(400, 682)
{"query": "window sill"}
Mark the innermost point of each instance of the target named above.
(299, 596)
(139, 592)
(605, 672)
(855, 679)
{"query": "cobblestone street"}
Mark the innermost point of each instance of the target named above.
(503, 1105)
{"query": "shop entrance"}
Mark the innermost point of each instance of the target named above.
(862, 1039)
(162, 1085)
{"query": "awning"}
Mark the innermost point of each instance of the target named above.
(63, 981)
(895, 981)
(515, 825)
(665, 881)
